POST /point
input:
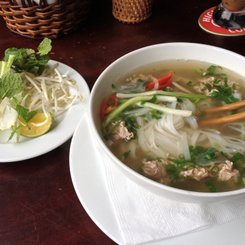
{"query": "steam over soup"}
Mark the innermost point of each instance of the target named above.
(180, 123)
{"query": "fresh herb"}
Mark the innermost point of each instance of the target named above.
(44, 47)
(131, 124)
(29, 60)
(10, 85)
(203, 156)
(219, 88)
(189, 83)
(212, 70)
(155, 114)
(223, 92)
(239, 161)
(126, 154)
(177, 165)
(182, 163)
(237, 157)
(211, 186)
(14, 131)
(25, 113)
(173, 171)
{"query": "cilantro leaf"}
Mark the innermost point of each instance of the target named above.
(213, 70)
(211, 186)
(220, 88)
(202, 155)
(224, 92)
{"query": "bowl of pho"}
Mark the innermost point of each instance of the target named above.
(171, 117)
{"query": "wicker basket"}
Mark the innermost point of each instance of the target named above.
(33, 20)
(131, 11)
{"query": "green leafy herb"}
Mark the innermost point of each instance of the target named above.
(223, 92)
(173, 171)
(130, 124)
(211, 186)
(182, 163)
(239, 161)
(237, 157)
(203, 156)
(126, 154)
(220, 88)
(25, 113)
(29, 60)
(10, 85)
(44, 47)
(14, 131)
(156, 114)
(213, 71)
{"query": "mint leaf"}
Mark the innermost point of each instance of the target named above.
(10, 85)
(45, 46)
(29, 60)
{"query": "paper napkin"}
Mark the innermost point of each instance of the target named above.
(143, 216)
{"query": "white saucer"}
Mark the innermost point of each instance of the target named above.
(87, 175)
(66, 124)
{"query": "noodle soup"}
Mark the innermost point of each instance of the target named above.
(180, 123)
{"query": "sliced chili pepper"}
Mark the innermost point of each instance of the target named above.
(163, 82)
(108, 105)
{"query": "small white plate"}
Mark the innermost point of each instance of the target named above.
(87, 173)
(66, 124)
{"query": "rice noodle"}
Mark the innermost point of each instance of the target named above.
(170, 136)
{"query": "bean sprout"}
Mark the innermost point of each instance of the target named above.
(50, 92)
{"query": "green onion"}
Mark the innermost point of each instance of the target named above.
(123, 106)
(165, 93)
(184, 113)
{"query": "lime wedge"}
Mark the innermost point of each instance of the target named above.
(37, 126)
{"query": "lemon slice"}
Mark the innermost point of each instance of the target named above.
(36, 126)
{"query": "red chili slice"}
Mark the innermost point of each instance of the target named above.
(108, 105)
(163, 82)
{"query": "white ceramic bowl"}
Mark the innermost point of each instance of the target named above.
(148, 55)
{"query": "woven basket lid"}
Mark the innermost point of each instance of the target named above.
(131, 11)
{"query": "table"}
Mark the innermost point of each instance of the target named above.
(38, 204)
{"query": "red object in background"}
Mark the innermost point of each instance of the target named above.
(207, 23)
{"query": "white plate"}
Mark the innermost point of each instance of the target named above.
(88, 180)
(64, 129)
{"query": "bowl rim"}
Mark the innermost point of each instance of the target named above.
(132, 172)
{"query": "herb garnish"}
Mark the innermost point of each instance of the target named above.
(25, 113)
(211, 186)
(10, 85)
(29, 60)
(219, 88)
